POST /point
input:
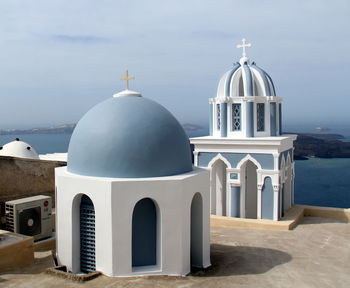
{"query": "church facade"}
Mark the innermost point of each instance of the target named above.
(250, 159)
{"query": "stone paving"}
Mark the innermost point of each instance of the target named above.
(315, 254)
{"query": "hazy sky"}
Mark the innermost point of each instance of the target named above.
(59, 58)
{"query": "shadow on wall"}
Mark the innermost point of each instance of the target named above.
(241, 260)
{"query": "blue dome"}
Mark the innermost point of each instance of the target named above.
(129, 137)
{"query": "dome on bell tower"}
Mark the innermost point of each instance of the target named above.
(245, 79)
(246, 104)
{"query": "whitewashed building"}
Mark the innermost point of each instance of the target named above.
(250, 159)
(129, 201)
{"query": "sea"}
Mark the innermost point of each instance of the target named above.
(320, 182)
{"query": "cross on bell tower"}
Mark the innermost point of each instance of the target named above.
(244, 45)
(126, 78)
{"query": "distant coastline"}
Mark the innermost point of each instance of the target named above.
(307, 144)
(65, 128)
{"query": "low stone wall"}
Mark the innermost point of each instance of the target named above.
(293, 217)
(20, 178)
(327, 212)
(15, 250)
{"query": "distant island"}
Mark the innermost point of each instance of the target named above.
(321, 146)
(307, 144)
(65, 128)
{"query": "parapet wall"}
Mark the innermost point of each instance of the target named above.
(20, 178)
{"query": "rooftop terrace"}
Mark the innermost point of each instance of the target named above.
(315, 254)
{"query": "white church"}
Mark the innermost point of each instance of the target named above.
(129, 201)
(249, 158)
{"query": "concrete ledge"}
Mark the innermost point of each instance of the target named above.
(61, 271)
(15, 250)
(222, 221)
(46, 244)
(292, 218)
(327, 212)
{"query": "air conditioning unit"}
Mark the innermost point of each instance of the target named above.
(30, 216)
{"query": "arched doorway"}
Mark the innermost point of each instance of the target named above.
(197, 231)
(144, 233)
(87, 235)
(218, 188)
(250, 183)
(267, 201)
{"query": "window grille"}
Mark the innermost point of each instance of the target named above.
(87, 235)
(236, 117)
(260, 116)
(218, 112)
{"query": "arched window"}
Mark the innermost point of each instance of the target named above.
(144, 233)
(218, 117)
(236, 117)
(260, 117)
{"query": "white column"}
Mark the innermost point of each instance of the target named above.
(218, 190)
(275, 201)
(228, 196)
(195, 154)
(275, 160)
(259, 200)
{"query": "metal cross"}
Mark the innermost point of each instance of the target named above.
(126, 79)
(244, 45)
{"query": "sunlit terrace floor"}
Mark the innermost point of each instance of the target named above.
(315, 254)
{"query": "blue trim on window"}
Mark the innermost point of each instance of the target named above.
(234, 176)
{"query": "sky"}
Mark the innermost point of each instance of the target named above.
(60, 58)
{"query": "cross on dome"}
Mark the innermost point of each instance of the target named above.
(126, 78)
(244, 45)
